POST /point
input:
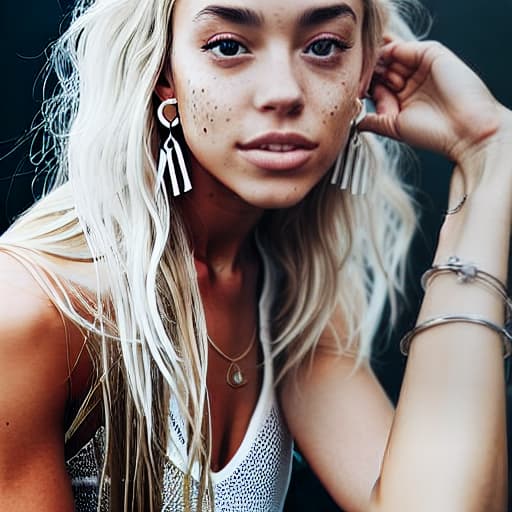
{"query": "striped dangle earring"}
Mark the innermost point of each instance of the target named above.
(166, 159)
(352, 167)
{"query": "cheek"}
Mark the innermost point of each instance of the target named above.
(337, 111)
(199, 112)
(204, 112)
(207, 121)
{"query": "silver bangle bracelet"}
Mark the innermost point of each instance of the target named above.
(469, 273)
(405, 342)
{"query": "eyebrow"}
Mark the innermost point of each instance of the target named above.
(248, 17)
(240, 16)
(319, 15)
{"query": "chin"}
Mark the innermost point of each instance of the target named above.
(276, 199)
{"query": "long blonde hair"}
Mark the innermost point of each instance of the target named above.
(103, 203)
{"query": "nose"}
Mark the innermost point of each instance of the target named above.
(279, 89)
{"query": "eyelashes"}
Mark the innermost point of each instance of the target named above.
(327, 46)
(323, 48)
(225, 47)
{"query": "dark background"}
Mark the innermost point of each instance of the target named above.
(479, 33)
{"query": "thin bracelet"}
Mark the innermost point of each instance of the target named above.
(405, 342)
(468, 273)
(458, 207)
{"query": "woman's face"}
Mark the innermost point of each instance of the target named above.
(266, 90)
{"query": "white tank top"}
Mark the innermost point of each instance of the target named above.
(254, 480)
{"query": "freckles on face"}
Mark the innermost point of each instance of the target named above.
(205, 115)
(234, 83)
(337, 108)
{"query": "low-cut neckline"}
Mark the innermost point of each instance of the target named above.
(263, 403)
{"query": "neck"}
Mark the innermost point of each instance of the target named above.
(219, 222)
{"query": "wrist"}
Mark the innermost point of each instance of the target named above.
(488, 162)
(480, 231)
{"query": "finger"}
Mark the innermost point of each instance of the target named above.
(401, 69)
(404, 53)
(394, 81)
(380, 124)
(387, 109)
(386, 59)
(391, 38)
(386, 101)
(409, 54)
(396, 73)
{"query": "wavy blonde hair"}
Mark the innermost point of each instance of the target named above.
(103, 204)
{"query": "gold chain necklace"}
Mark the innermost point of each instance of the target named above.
(235, 377)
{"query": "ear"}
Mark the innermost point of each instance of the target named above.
(164, 92)
(366, 78)
(369, 66)
(164, 88)
(369, 69)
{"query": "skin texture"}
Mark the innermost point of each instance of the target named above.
(226, 101)
(34, 379)
(368, 458)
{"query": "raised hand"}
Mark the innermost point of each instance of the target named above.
(427, 97)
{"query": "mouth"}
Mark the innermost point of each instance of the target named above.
(278, 151)
(279, 148)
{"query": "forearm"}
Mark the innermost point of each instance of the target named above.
(447, 448)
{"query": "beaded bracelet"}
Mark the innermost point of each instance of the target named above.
(504, 332)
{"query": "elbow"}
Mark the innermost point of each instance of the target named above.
(407, 499)
(375, 504)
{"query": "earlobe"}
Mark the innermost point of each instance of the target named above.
(165, 87)
(164, 90)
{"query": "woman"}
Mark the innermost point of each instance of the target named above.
(192, 254)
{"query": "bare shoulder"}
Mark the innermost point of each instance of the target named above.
(23, 303)
(34, 389)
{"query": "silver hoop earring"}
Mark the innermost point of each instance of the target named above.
(166, 152)
(351, 170)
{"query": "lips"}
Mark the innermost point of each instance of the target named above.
(277, 141)
(280, 148)
(278, 151)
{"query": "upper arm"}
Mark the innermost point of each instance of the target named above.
(33, 395)
(341, 422)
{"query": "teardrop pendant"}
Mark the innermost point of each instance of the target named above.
(235, 377)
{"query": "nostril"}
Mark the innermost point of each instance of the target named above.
(296, 109)
(285, 108)
(282, 99)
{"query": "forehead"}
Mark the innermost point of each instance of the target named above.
(267, 11)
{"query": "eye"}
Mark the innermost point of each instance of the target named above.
(225, 48)
(326, 47)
